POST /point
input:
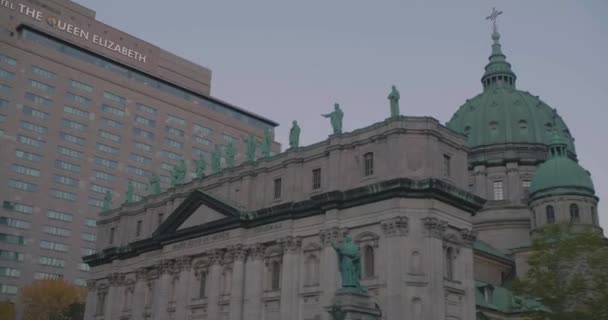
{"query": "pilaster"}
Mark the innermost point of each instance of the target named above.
(161, 298)
(435, 264)
(91, 303)
(254, 282)
(395, 232)
(215, 275)
(330, 281)
(289, 281)
(238, 253)
(182, 292)
(139, 295)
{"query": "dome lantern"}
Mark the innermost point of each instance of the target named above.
(498, 71)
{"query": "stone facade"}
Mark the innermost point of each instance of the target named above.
(233, 246)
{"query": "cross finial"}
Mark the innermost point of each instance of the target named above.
(493, 16)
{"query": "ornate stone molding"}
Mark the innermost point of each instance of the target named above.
(256, 251)
(152, 273)
(116, 279)
(184, 263)
(330, 236)
(141, 273)
(167, 267)
(237, 252)
(397, 226)
(216, 256)
(291, 244)
(91, 284)
(435, 227)
(468, 236)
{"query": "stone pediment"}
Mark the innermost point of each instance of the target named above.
(198, 209)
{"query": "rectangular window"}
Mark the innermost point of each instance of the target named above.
(173, 143)
(22, 185)
(165, 179)
(83, 267)
(81, 86)
(228, 138)
(11, 255)
(7, 74)
(108, 135)
(53, 262)
(103, 175)
(8, 289)
(47, 276)
(138, 171)
(200, 152)
(106, 163)
(59, 194)
(61, 232)
(175, 119)
(86, 251)
(28, 155)
(146, 109)
(2, 118)
(26, 125)
(65, 180)
(202, 129)
(173, 131)
(35, 113)
(142, 146)
(113, 97)
(11, 239)
(25, 170)
(38, 99)
(10, 272)
(89, 237)
(111, 237)
(138, 185)
(160, 219)
(171, 155)
(143, 133)
(368, 160)
(55, 246)
(74, 125)
(80, 282)
(76, 112)
(112, 110)
(316, 179)
(202, 141)
(95, 202)
(90, 223)
(61, 216)
(67, 166)
(30, 141)
(100, 189)
(167, 166)
(138, 228)
(498, 190)
(525, 184)
(3, 103)
(15, 223)
(140, 159)
(145, 121)
(18, 207)
(112, 123)
(446, 165)
(277, 188)
(4, 88)
(69, 152)
(77, 98)
(8, 60)
(107, 149)
(72, 139)
(41, 86)
(43, 73)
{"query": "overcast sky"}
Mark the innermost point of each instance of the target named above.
(293, 59)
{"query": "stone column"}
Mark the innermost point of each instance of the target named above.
(435, 264)
(182, 291)
(480, 176)
(238, 282)
(395, 231)
(114, 299)
(289, 277)
(469, 305)
(513, 188)
(102, 302)
(91, 303)
(213, 283)
(330, 279)
(161, 298)
(139, 295)
(254, 287)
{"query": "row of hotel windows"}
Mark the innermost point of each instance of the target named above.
(498, 188)
(50, 245)
(140, 77)
(51, 214)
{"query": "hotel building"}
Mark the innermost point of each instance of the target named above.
(84, 109)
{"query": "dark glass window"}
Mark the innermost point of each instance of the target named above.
(550, 214)
(368, 160)
(316, 179)
(574, 213)
(277, 188)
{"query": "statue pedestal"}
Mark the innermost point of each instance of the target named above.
(352, 304)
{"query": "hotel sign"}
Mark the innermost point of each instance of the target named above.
(67, 27)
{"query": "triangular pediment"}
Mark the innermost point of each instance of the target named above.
(198, 209)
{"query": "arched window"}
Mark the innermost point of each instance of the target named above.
(368, 162)
(202, 289)
(574, 214)
(275, 275)
(449, 263)
(550, 214)
(368, 262)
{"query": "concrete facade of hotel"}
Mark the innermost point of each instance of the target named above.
(85, 108)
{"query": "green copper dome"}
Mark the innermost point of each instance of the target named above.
(560, 175)
(502, 114)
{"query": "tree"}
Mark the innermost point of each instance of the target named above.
(568, 273)
(7, 310)
(52, 299)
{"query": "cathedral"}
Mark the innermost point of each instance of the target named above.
(442, 216)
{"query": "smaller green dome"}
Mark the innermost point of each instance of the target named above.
(560, 175)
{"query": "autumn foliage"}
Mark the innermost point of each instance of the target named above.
(52, 299)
